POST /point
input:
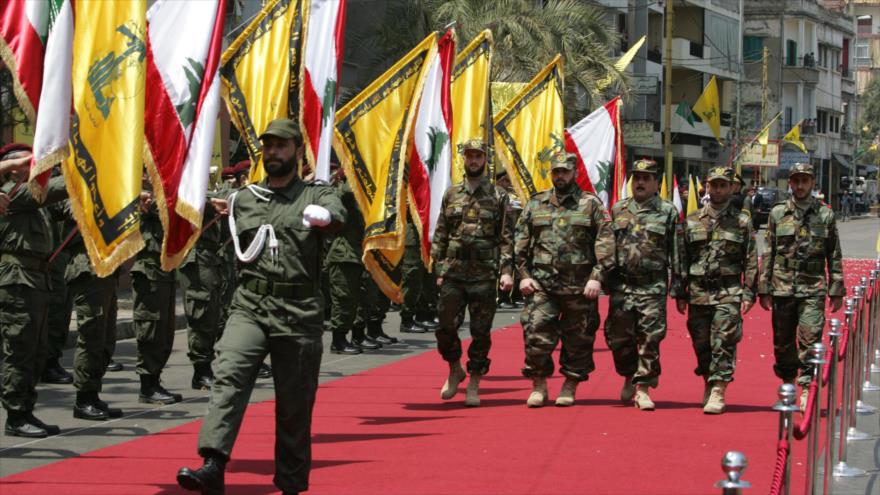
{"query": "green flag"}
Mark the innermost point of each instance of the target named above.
(684, 111)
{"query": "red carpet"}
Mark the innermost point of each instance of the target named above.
(386, 431)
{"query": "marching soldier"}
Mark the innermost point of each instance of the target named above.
(472, 240)
(738, 198)
(720, 262)
(277, 227)
(419, 287)
(564, 249)
(25, 286)
(511, 299)
(60, 302)
(801, 267)
(646, 230)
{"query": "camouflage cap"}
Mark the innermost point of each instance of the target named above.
(738, 178)
(720, 173)
(561, 159)
(473, 144)
(645, 166)
(282, 128)
(801, 168)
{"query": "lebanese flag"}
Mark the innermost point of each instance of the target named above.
(184, 45)
(325, 30)
(430, 161)
(598, 143)
(676, 198)
(37, 37)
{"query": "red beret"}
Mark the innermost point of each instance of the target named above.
(9, 148)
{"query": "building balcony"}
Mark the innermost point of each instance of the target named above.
(795, 71)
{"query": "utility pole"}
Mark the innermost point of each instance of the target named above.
(667, 94)
(739, 94)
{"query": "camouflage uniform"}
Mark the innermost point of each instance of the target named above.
(562, 241)
(647, 239)
(801, 244)
(720, 261)
(514, 210)
(472, 240)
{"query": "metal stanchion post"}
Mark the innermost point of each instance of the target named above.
(874, 350)
(842, 469)
(860, 358)
(865, 320)
(818, 359)
(851, 383)
(786, 407)
(834, 337)
(733, 464)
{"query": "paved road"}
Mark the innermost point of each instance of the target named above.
(120, 390)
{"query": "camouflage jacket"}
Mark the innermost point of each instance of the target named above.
(26, 236)
(564, 243)
(346, 246)
(648, 242)
(473, 239)
(799, 247)
(720, 257)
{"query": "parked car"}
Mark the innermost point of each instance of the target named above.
(762, 203)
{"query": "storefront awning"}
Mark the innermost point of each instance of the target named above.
(842, 160)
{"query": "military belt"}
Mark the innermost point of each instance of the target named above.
(645, 278)
(472, 254)
(278, 289)
(717, 283)
(31, 262)
(807, 266)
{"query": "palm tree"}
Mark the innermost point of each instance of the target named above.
(527, 35)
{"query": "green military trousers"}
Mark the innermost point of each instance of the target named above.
(60, 308)
(372, 307)
(24, 330)
(345, 294)
(419, 287)
(95, 301)
(479, 297)
(296, 363)
(715, 331)
(202, 286)
(153, 319)
(797, 325)
(549, 318)
(635, 326)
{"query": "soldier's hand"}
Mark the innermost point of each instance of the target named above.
(221, 206)
(316, 216)
(836, 303)
(746, 306)
(4, 203)
(592, 289)
(17, 161)
(528, 286)
(766, 301)
(681, 305)
(146, 200)
(439, 281)
(506, 284)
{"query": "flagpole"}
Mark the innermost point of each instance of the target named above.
(752, 141)
(667, 93)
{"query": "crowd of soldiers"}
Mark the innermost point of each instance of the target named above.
(271, 254)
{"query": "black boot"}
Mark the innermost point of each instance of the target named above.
(427, 322)
(86, 407)
(113, 412)
(55, 373)
(203, 377)
(410, 327)
(18, 424)
(361, 341)
(208, 479)
(153, 393)
(375, 332)
(50, 429)
(341, 345)
(265, 371)
(114, 366)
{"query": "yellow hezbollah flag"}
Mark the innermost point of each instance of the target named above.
(105, 167)
(794, 137)
(531, 129)
(471, 104)
(623, 62)
(259, 74)
(502, 93)
(664, 189)
(693, 203)
(708, 108)
(371, 136)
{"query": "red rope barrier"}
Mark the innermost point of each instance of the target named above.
(782, 451)
(803, 429)
(844, 341)
(826, 373)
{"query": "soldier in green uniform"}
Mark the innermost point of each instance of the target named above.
(371, 312)
(802, 266)
(419, 287)
(473, 239)
(60, 302)
(25, 286)
(345, 269)
(277, 227)
(738, 198)
(201, 280)
(509, 299)
(153, 295)
(647, 234)
(720, 261)
(564, 249)
(95, 301)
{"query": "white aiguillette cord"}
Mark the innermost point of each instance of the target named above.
(256, 247)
